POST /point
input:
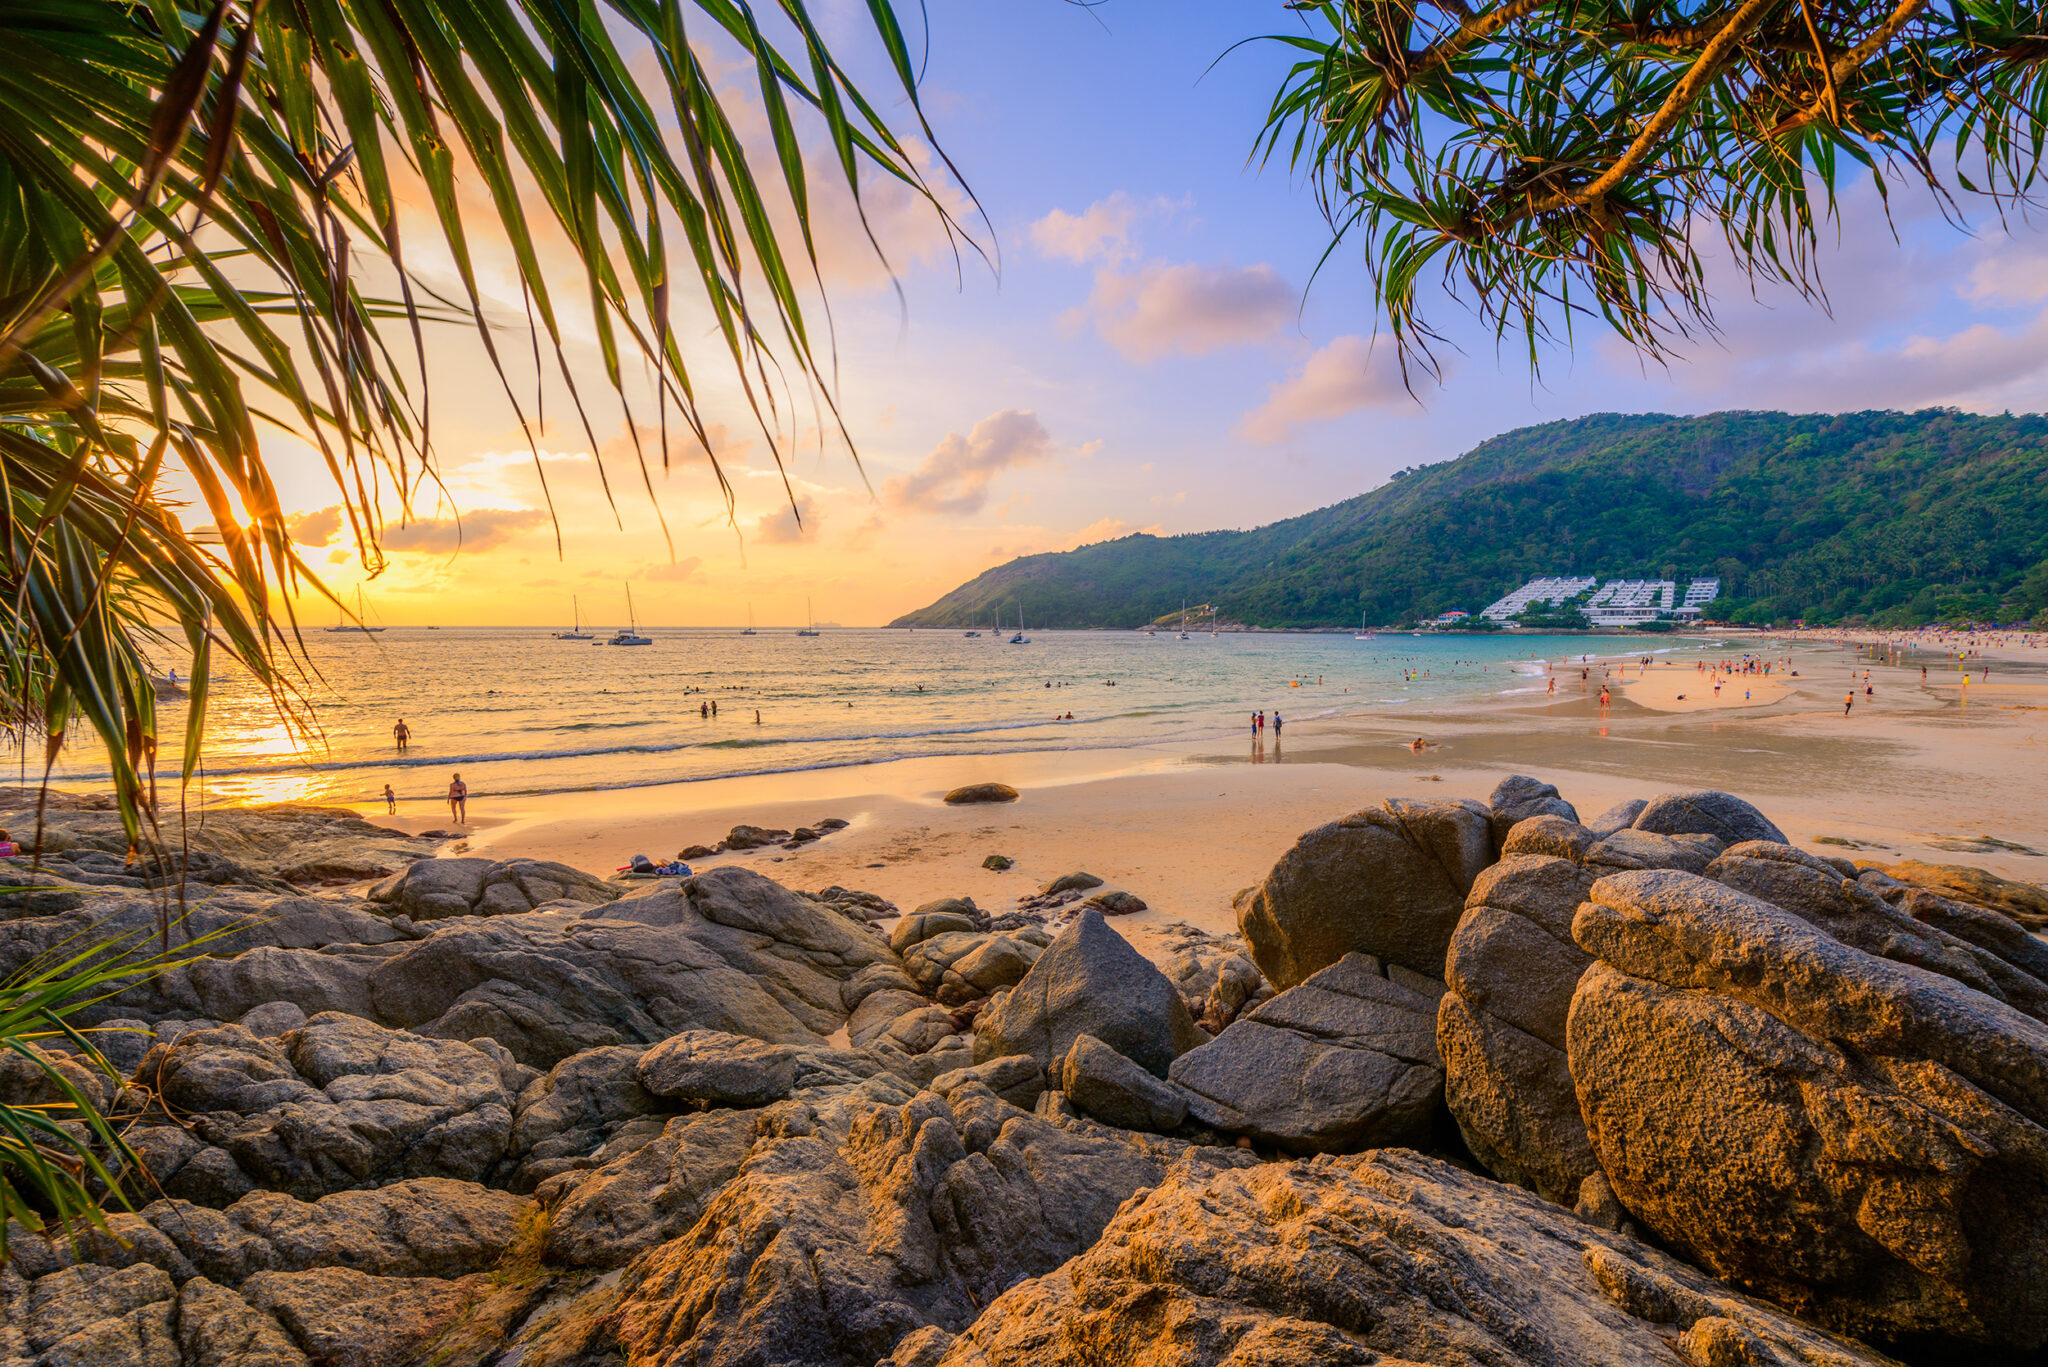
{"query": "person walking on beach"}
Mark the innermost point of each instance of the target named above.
(1276, 726)
(1255, 725)
(458, 800)
(401, 734)
(390, 801)
(757, 716)
(1848, 701)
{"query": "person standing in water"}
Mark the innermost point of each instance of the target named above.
(458, 800)
(390, 801)
(401, 734)
(757, 716)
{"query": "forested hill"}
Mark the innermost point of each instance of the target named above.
(1896, 518)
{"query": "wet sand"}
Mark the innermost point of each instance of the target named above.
(1918, 769)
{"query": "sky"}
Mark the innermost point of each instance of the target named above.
(1143, 351)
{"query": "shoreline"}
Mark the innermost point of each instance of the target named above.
(1918, 770)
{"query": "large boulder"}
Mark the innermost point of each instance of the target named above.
(1519, 797)
(1089, 981)
(717, 1069)
(1387, 1257)
(1389, 881)
(1511, 972)
(1860, 1139)
(962, 965)
(2026, 903)
(434, 888)
(1346, 1060)
(1706, 812)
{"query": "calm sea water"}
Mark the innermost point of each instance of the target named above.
(519, 712)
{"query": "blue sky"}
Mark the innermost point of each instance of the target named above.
(1147, 358)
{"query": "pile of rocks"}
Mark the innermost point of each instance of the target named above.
(1710, 1099)
(744, 837)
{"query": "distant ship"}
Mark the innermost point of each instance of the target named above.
(750, 621)
(628, 637)
(356, 628)
(575, 632)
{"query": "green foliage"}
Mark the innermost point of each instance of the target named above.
(1546, 158)
(1896, 518)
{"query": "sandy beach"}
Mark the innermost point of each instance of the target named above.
(1928, 769)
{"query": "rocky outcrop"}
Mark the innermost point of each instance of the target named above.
(717, 1069)
(1858, 1138)
(2026, 903)
(1386, 1257)
(1346, 1060)
(841, 1234)
(1089, 981)
(1215, 976)
(961, 966)
(1389, 881)
(338, 1104)
(434, 888)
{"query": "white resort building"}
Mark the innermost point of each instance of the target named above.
(1616, 603)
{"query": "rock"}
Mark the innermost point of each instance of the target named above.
(1016, 1078)
(754, 837)
(866, 907)
(1862, 1140)
(1346, 1060)
(1618, 817)
(1117, 903)
(434, 888)
(1706, 812)
(999, 863)
(2026, 903)
(573, 1110)
(1070, 882)
(1511, 973)
(1116, 1091)
(696, 852)
(933, 918)
(272, 1018)
(1389, 881)
(1519, 797)
(1386, 1257)
(636, 1201)
(981, 792)
(849, 1228)
(1089, 982)
(959, 966)
(719, 1069)
(831, 823)
(339, 1103)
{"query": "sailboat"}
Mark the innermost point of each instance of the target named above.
(345, 627)
(750, 621)
(1020, 639)
(1183, 619)
(629, 637)
(808, 629)
(1364, 631)
(576, 632)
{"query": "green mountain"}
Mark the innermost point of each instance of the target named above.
(1887, 518)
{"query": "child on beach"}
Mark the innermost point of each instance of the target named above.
(390, 801)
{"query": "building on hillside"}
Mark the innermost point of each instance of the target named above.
(1549, 592)
(1444, 619)
(1616, 603)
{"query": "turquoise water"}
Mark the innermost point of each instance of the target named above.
(519, 712)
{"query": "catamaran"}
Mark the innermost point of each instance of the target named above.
(628, 637)
(575, 632)
(809, 628)
(358, 627)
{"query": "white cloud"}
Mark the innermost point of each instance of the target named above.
(316, 528)
(1158, 309)
(1341, 377)
(675, 573)
(955, 477)
(477, 530)
(789, 526)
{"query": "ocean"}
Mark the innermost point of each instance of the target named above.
(518, 712)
